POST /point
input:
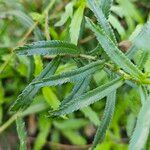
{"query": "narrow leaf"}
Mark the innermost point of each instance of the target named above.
(106, 5)
(78, 89)
(71, 76)
(76, 24)
(21, 133)
(101, 19)
(114, 53)
(141, 132)
(108, 113)
(89, 98)
(27, 95)
(51, 47)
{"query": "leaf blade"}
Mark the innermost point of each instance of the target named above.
(52, 47)
(89, 97)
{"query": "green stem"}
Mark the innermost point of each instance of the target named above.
(9, 122)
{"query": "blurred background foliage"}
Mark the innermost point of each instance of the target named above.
(25, 21)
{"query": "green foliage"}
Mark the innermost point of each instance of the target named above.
(108, 113)
(141, 131)
(89, 97)
(75, 63)
(21, 133)
(27, 95)
(48, 48)
(76, 23)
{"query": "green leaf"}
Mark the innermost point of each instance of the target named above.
(114, 53)
(94, 6)
(21, 133)
(26, 21)
(117, 25)
(108, 113)
(141, 132)
(72, 124)
(50, 97)
(42, 135)
(74, 137)
(143, 38)
(140, 39)
(78, 89)
(106, 5)
(91, 115)
(71, 76)
(76, 24)
(27, 95)
(51, 47)
(65, 16)
(89, 97)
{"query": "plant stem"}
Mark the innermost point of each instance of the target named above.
(9, 122)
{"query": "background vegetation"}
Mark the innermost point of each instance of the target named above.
(26, 21)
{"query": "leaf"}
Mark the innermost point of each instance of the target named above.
(143, 38)
(89, 97)
(117, 25)
(78, 89)
(114, 53)
(130, 10)
(51, 47)
(26, 21)
(38, 65)
(143, 93)
(21, 133)
(50, 97)
(64, 17)
(72, 124)
(71, 76)
(141, 132)
(101, 19)
(76, 24)
(106, 119)
(91, 115)
(74, 137)
(106, 5)
(42, 135)
(27, 95)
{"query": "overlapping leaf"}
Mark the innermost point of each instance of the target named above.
(48, 48)
(89, 97)
(94, 6)
(106, 5)
(71, 76)
(114, 53)
(27, 95)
